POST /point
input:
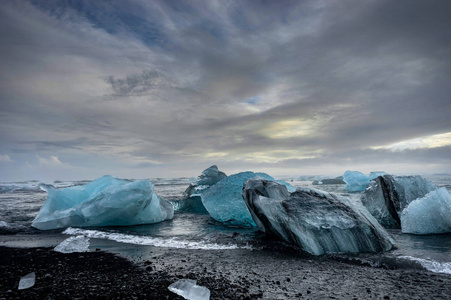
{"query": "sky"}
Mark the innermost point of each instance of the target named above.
(144, 89)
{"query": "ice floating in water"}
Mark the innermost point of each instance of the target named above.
(106, 201)
(27, 281)
(4, 224)
(151, 241)
(355, 181)
(192, 201)
(225, 203)
(428, 215)
(338, 180)
(316, 221)
(78, 243)
(188, 289)
(388, 195)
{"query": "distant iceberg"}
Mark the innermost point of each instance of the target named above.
(355, 181)
(388, 195)
(192, 201)
(106, 201)
(428, 215)
(314, 220)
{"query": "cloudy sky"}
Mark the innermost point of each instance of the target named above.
(141, 89)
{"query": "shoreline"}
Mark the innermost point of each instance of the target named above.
(229, 274)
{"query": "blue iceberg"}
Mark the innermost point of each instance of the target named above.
(224, 202)
(316, 221)
(106, 201)
(388, 195)
(428, 215)
(377, 174)
(355, 181)
(192, 201)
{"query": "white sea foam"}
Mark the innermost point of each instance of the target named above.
(433, 266)
(151, 241)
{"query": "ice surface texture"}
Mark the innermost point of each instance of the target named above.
(225, 203)
(192, 201)
(27, 281)
(316, 221)
(106, 201)
(428, 215)
(388, 195)
(188, 289)
(73, 244)
(355, 181)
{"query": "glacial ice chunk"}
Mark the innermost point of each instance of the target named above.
(316, 221)
(106, 201)
(377, 174)
(388, 195)
(224, 202)
(27, 281)
(355, 181)
(78, 243)
(188, 289)
(428, 215)
(192, 201)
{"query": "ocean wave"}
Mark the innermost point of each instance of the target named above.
(433, 266)
(151, 241)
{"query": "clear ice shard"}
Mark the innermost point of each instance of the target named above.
(355, 181)
(106, 201)
(428, 215)
(224, 202)
(188, 289)
(73, 244)
(388, 195)
(316, 221)
(27, 281)
(192, 201)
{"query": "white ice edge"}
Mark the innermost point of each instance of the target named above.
(433, 266)
(151, 241)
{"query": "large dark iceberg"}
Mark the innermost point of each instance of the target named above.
(387, 196)
(316, 221)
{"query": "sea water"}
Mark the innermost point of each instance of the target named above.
(20, 203)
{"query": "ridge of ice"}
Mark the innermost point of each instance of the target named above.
(106, 201)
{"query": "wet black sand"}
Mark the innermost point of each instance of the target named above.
(229, 274)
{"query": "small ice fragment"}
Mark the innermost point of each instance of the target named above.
(73, 244)
(27, 281)
(3, 224)
(188, 289)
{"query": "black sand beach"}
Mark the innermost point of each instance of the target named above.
(229, 274)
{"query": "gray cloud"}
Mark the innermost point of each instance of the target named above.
(244, 83)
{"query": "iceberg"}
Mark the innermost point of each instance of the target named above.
(73, 244)
(106, 201)
(224, 202)
(355, 181)
(388, 195)
(188, 289)
(27, 281)
(377, 174)
(192, 201)
(428, 215)
(316, 221)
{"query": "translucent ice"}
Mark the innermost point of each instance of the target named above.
(224, 202)
(314, 220)
(27, 281)
(428, 215)
(355, 181)
(73, 244)
(388, 195)
(188, 289)
(106, 201)
(191, 201)
(377, 174)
